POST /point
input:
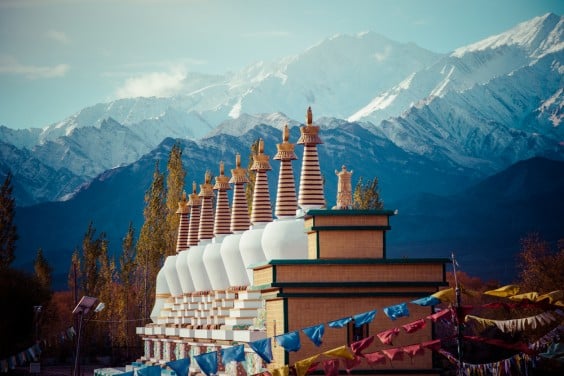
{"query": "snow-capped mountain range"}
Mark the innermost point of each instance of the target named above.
(482, 107)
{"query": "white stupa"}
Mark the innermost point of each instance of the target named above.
(205, 234)
(261, 214)
(230, 252)
(186, 283)
(285, 238)
(162, 295)
(213, 261)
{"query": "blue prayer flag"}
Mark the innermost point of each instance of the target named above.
(340, 323)
(149, 371)
(289, 341)
(364, 318)
(207, 362)
(263, 348)
(315, 333)
(180, 367)
(396, 311)
(233, 354)
(426, 301)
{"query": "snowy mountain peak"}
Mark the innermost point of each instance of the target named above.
(538, 36)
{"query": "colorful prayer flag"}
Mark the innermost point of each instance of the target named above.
(263, 348)
(207, 362)
(315, 333)
(364, 318)
(181, 366)
(397, 311)
(233, 354)
(289, 341)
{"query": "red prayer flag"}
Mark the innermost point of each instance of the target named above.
(358, 346)
(413, 350)
(394, 354)
(375, 358)
(387, 335)
(443, 314)
(414, 326)
(331, 367)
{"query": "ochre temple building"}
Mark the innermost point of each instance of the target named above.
(240, 277)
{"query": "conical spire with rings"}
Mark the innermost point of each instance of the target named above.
(311, 185)
(286, 202)
(262, 208)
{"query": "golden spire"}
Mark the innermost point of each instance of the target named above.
(183, 205)
(221, 181)
(260, 160)
(238, 174)
(194, 199)
(206, 189)
(285, 149)
(309, 132)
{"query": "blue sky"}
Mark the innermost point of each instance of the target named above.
(59, 56)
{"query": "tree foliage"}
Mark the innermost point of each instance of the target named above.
(174, 187)
(540, 265)
(43, 271)
(151, 245)
(367, 195)
(8, 231)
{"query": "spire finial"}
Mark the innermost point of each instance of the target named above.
(194, 186)
(285, 134)
(238, 160)
(309, 116)
(221, 168)
(208, 177)
(261, 146)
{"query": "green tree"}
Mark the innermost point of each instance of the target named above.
(174, 188)
(151, 245)
(367, 196)
(43, 271)
(127, 292)
(93, 250)
(540, 265)
(74, 279)
(8, 232)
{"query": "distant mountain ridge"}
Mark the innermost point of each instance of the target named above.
(483, 107)
(485, 223)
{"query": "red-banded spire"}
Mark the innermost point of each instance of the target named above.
(222, 211)
(240, 209)
(183, 225)
(286, 202)
(262, 208)
(311, 185)
(206, 215)
(194, 228)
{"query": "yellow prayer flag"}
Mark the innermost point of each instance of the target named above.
(282, 371)
(340, 352)
(303, 365)
(446, 295)
(504, 292)
(553, 297)
(532, 296)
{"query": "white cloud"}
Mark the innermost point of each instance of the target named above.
(155, 84)
(58, 36)
(9, 65)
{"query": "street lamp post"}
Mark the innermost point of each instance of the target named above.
(83, 311)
